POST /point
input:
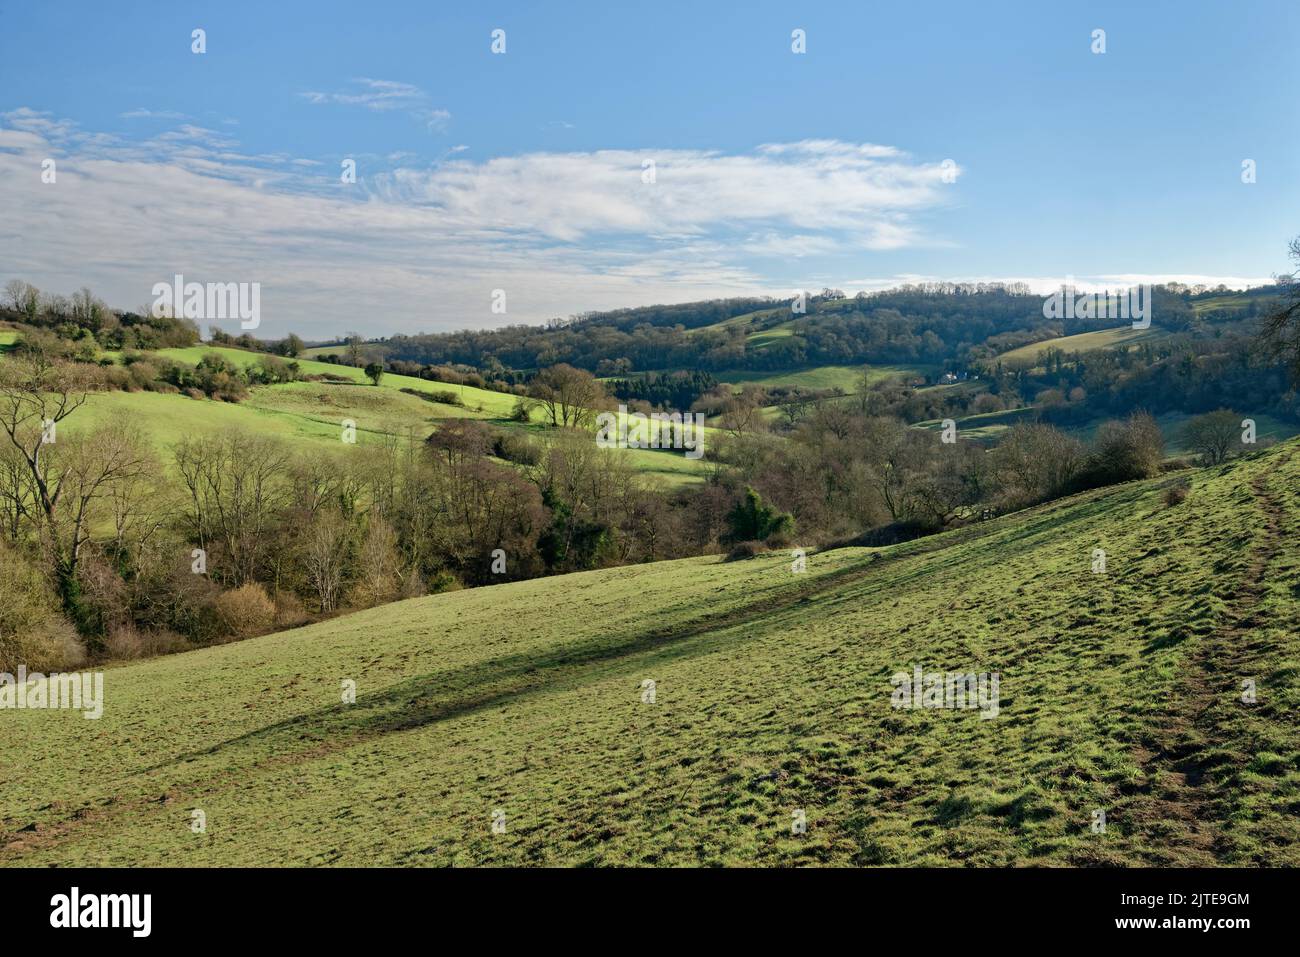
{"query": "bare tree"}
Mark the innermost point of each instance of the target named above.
(743, 413)
(23, 298)
(1213, 435)
(237, 484)
(1280, 333)
(17, 501)
(570, 397)
(66, 475)
(1034, 462)
(326, 555)
(379, 572)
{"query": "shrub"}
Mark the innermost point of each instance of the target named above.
(1124, 451)
(1176, 495)
(516, 448)
(751, 520)
(743, 550)
(523, 410)
(444, 396)
(289, 610)
(246, 611)
(1213, 436)
(269, 370)
(32, 630)
(442, 581)
(779, 540)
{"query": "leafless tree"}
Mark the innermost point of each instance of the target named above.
(66, 475)
(1213, 435)
(23, 298)
(1280, 333)
(570, 397)
(236, 485)
(326, 556)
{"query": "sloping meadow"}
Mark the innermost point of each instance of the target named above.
(710, 712)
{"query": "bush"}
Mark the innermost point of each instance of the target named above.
(127, 642)
(1176, 495)
(443, 396)
(516, 448)
(523, 410)
(743, 550)
(751, 520)
(246, 611)
(33, 632)
(1213, 436)
(779, 540)
(442, 581)
(1124, 451)
(289, 610)
(269, 370)
(893, 534)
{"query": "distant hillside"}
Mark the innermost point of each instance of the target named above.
(1120, 693)
(932, 324)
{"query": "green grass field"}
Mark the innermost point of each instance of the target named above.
(485, 402)
(316, 412)
(1221, 304)
(990, 425)
(317, 351)
(1118, 691)
(745, 319)
(985, 425)
(847, 378)
(1123, 336)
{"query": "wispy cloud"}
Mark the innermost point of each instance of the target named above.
(378, 95)
(436, 120)
(140, 113)
(423, 248)
(384, 96)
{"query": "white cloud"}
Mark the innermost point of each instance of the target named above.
(569, 196)
(423, 248)
(436, 120)
(383, 96)
(140, 113)
(378, 95)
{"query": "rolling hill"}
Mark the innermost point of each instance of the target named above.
(314, 411)
(523, 704)
(1119, 337)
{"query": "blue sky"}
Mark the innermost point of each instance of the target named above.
(524, 171)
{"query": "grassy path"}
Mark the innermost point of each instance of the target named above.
(1194, 754)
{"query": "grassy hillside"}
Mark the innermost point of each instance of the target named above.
(1118, 692)
(487, 403)
(989, 426)
(315, 411)
(848, 378)
(1123, 336)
